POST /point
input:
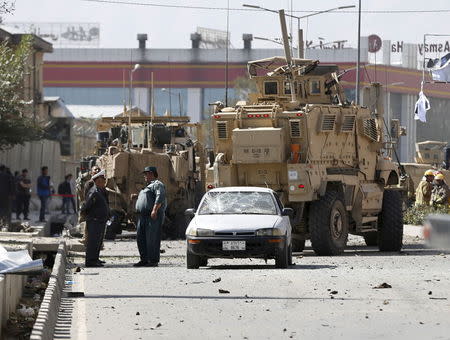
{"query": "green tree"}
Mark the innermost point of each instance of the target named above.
(15, 126)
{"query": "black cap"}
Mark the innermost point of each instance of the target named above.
(150, 169)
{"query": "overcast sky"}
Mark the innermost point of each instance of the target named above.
(171, 27)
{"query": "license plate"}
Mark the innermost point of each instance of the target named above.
(233, 245)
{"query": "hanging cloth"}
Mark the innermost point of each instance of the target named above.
(421, 108)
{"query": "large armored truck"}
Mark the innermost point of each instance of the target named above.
(161, 141)
(324, 156)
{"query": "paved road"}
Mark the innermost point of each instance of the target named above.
(317, 298)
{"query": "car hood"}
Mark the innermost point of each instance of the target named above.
(235, 222)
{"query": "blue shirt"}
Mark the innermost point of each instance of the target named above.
(154, 193)
(43, 186)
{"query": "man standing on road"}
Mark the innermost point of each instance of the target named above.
(43, 191)
(23, 195)
(150, 207)
(65, 190)
(440, 192)
(96, 210)
(423, 191)
(6, 196)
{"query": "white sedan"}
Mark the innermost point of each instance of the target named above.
(239, 222)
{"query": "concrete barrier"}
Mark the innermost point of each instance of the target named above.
(44, 326)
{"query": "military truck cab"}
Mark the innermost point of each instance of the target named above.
(320, 153)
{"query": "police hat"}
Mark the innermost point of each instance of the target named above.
(99, 174)
(150, 169)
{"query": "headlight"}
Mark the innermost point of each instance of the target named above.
(204, 232)
(269, 232)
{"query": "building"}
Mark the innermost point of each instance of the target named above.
(187, 80)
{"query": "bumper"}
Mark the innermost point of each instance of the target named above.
(255, 246)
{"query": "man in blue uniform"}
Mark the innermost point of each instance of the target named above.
(150, 208)
(44, 188)
(96, 210)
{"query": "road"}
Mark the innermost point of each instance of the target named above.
(317, 298)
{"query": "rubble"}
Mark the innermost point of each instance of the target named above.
(383, 285)
(224, 291)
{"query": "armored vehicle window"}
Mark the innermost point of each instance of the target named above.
(314, 87)
(271, 87)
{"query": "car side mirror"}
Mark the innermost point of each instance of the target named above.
(287, 212)
(189, 212)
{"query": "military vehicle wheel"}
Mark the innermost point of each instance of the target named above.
(282, 258)
(371, 238)
(298, 245)
(203, 262)
(192, 261)
(390, 224)
(328, 225)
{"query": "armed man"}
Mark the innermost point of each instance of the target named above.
(440, 193)
(425, 188)
(150, 207)
(96, 210)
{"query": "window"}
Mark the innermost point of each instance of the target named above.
(314, 87)
(287, 87)
(271, 88)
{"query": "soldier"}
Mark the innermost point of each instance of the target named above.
(423, 191)
(440, 193)
(96, 210)
(150, 207)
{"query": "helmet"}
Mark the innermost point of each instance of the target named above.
(439, 176)
(437, 172)
(429, 173)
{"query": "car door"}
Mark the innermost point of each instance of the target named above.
(285, 220)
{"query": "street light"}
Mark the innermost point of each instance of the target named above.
(300, 34)
(170, 100)
(267, 39)
(135, 68)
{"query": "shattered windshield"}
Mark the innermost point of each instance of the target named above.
(227, 202)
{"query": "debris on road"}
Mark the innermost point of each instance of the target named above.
(430, 292)
(217, 280)
(383, 285)
(334, 292)
(137, 313)
(224, 291)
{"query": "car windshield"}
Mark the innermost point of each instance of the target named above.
(237, 202)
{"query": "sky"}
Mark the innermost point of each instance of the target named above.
(171, 27)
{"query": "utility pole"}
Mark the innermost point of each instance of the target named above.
(359, 54)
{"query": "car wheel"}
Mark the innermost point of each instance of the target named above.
(192, 261)
(203, 261)
(290, 255)
(282, 258)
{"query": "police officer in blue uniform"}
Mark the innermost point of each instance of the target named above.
(150, 207)
(96, 210)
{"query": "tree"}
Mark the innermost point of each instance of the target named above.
(15, 126)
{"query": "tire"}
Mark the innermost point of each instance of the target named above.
(282, 258)
(290, 255)
(298, 245)
(328, 225)
(371, 238)
(203, 261)
(192, 261)
(390, 222)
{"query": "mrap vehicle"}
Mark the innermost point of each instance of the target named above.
(324, 156)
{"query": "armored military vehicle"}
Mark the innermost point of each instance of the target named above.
(323, 155)
(161, 141)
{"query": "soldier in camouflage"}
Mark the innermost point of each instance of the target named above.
(440, 193)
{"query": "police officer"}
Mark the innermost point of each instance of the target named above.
(96, 210)
(423, 191)
(440, 194)
(150, 208)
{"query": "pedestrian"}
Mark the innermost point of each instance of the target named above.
(6, 196)
(65, 190)
(96, 210)
(440, 193)
(150, 207)
(84, 184)
(44, 191)
(23, 195)
(423, 191)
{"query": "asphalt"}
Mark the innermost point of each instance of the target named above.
(317, 298)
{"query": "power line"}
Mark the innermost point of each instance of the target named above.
(137, 3)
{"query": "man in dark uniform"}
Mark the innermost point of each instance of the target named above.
(150, 207)
(96, 210)
(23, 195)
(6, 196)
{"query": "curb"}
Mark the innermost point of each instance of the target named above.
(44, 326)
